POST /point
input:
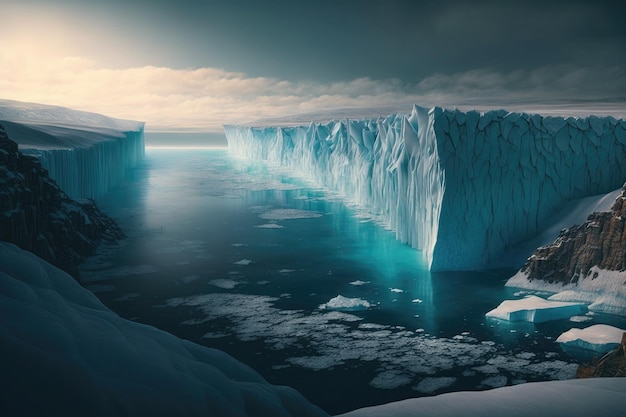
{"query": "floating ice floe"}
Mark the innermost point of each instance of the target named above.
(603, 290)
(536, 310)
(269, 226)
(289, 214)
(359, 282)
(226, 284)
(599, 338)
(243, 262)
(344, 303)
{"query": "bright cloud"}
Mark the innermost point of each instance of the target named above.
(203, 99)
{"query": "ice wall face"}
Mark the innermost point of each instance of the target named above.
(85, 153)
(391, 165)
(90, 172)
(460, 186)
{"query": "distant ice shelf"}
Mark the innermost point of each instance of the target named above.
(461, 186)
(86, 153)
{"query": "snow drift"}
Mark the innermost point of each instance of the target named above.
(65, 353)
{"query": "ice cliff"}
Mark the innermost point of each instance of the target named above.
(461, 186)
(86, 153)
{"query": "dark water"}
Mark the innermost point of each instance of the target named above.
(242, 258)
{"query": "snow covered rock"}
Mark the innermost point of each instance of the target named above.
(460, 186)
(585, 263)
(536, 310)
(86, 153)
(64, 353)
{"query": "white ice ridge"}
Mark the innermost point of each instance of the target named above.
(462, 186)
(65, 353)
(86, 153)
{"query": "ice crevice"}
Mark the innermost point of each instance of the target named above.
(461, 186)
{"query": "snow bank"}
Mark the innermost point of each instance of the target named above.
(599, 338)
(64, 353)
(580, 397)
(461, 186)
(535, 310)
(603, 290)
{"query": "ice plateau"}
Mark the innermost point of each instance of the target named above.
(461, 186)
(85, 153)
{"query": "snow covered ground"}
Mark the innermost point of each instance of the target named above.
(573, 398)
(603, 291)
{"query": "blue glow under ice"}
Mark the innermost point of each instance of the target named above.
(461, 186)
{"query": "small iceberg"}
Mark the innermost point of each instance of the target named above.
(536, 310)
(597, 339)
(344, 303)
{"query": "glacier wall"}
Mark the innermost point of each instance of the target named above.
(461, 186)
(90, 172)
(85, 153)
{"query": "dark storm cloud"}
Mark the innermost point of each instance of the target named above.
(190, 64)
(332, 40)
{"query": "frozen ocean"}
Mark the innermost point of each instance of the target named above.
(312, 293)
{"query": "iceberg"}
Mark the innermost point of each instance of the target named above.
(599, 338)
(461, 186)
(345, 303)
(536, 310)
(65, 353)
(85, 153)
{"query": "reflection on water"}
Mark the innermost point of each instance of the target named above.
(240, 257)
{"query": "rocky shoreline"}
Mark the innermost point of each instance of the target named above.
(599, 242)
(38, 216)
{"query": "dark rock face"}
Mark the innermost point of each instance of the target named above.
(36, 215)
(613, 364)
(601, 241)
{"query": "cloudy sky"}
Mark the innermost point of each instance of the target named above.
(188, 65)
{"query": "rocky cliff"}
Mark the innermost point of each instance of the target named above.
(38, 216)
(601, 242)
